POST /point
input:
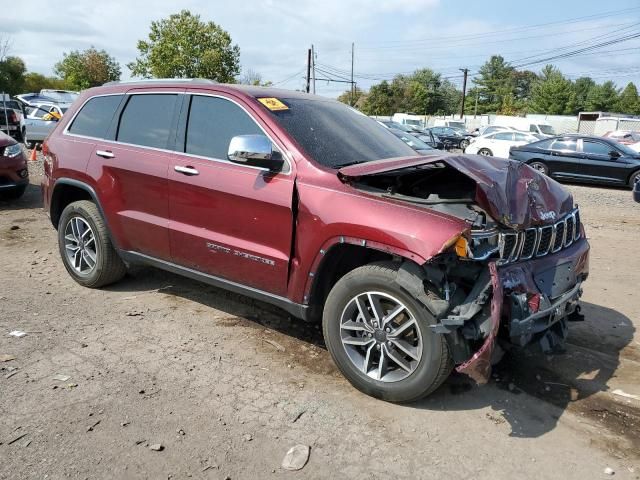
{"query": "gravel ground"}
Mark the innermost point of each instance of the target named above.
(226, 385)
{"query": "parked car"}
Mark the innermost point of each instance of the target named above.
(487, 129)
(457, 124)
(626, 137)
(60, 96)
(413, 141)
(430, 139)
(14, 174)
(524, 124)
(498, 144)
(11, 120)
(409, 119)
(451, 137)
(40, 119)
(582, 158)
(302, 202)
(398, 126)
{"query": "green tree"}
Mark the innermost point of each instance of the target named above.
(603, 98)
(86, 69)
(552, 93)
(12, 70)
(346, 96)
(34, 82)
(494, 84)
(581, 87)
(629, 101)
(379, 101)
(183, 46)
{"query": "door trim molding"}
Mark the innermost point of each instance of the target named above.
(295, 309)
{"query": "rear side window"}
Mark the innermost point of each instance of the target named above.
(569, 145)
(95, 117)
(503, 136)
(147, 120)
(213, 122)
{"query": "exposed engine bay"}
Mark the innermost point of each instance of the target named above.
(514, 275)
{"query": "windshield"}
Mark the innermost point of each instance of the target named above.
(626, 150)
(66, 97)
(546, 129)
(335, 135)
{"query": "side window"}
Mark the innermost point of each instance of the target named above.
(522, 137)
(503, 136)
(147, 120)
(567, 145)
(38, 112)
(596, 148)
(544, 144)
(95, 117)
(212, 123)
(532, 128)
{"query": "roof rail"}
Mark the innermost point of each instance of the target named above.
(162, 80)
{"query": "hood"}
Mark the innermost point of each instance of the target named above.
(6, 140)
(514, 194)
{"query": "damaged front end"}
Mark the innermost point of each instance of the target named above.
(514, 277)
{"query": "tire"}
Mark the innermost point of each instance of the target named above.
(432, 362)
(15, 192)
(464, 144)
(107, 266)
(28, 143)
(634, 178)
(485, 152)
(539, 166)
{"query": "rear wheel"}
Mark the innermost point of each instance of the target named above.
(380, 338)
(539, 166)
(85, 247)
(485, 152)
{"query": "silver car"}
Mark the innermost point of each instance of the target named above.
(40, 120)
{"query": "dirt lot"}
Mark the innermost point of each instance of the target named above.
(227, 385)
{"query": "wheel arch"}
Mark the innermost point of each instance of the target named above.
(341, 255)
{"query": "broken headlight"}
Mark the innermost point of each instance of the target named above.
(482, 244)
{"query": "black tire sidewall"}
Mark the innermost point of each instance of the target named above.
(77, 210)
(546, 169)
(422, 379)
(490, 153)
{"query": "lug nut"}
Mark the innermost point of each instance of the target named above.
(389, 344)
(388, 330)
(378, 346)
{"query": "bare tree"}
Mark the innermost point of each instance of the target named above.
(251, 77)
(5, 47)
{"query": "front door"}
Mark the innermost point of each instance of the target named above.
(228, 220)
(600, 166)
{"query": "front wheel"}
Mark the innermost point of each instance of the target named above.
(634, 178)
(485, 152)
(85, 247)
(380, 338)
(464, 144)
(539, 166)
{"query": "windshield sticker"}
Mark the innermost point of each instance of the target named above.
(273, 104)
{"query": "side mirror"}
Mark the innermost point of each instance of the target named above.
(614, 154)
(254, 150)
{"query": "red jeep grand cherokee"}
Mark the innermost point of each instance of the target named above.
(415, 264)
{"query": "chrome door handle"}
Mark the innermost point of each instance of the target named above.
(186, 170)
(105, 154)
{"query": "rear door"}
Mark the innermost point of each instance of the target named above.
(599, 165)
(500, 144)
(131, 171)
(228, 220)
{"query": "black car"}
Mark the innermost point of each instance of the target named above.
(451, 137)
(413, 141)
(10, 118)
(582, 158)
(430, 139)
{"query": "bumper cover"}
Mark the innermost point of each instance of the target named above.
(556, 279)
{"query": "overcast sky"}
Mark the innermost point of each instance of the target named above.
(390, 36)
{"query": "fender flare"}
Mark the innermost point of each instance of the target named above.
(94, 197)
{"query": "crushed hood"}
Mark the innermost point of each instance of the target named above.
(513, 193)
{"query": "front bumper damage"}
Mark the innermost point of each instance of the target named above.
(529, 303)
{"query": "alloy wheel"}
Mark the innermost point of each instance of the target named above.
(381, 336)
(80, 245)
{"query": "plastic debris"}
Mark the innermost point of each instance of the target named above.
(17, 333)
(6, 358)
(296, 458)
(61, 378)
(156, 447)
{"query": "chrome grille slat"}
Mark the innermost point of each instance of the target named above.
(539, 241)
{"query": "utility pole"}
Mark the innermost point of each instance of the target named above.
(464, 90)
(475, 112)
(353, 90)
(313, 69)
(308, 69)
